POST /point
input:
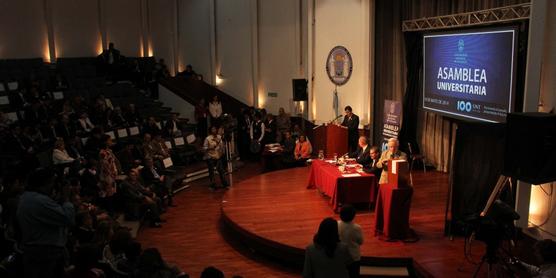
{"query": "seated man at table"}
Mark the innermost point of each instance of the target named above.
(391, 153)
(302, 150)
(372, 167)
(362, 155)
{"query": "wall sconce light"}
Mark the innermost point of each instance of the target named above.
(219, 79)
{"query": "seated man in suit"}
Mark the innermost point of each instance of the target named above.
(372, 168)
(391, 153)
(362, 155)
(155, 179)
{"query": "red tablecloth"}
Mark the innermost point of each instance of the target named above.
(392, 212)
(342, 190)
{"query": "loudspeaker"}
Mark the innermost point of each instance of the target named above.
(530, 153)
(299, 89)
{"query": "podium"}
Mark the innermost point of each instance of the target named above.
(394, 202)
(332, 139)
(398, 173)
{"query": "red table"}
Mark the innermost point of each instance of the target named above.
(342, 190)
(392, 212)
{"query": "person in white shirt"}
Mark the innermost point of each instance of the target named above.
(214, 155)
(352, 235)
(59, 154)
(215, 111)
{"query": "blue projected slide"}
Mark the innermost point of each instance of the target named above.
(470, 74)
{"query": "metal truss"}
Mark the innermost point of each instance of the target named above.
(489, 16)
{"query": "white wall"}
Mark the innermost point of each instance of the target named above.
(279, 52)
(542, 204)
(177, 103)
(233, 48)
(22, 30)
(345, 23)
(194, 36)
(163, 36)
(76, 28)
(123, 25)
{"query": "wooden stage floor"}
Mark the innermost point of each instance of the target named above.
(277, 210)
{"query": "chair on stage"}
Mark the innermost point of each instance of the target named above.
(412, 158)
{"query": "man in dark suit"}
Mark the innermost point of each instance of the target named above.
(372, 168)
(156, 180)
(351, 121)
(362, 155)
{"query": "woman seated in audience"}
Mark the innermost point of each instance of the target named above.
(151, 264)
(327, 256)
(303, 149)
(59, 153)
(84, 124)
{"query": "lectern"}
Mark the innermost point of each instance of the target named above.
(398, 173)
(393, 203)
(332, 139)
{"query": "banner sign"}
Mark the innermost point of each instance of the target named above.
(391, 121)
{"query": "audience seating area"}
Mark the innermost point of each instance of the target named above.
(110, 143)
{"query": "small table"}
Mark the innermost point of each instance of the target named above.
(392, 212)
(343, 188)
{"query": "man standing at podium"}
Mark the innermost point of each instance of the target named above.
(351, 121)
(391, 153)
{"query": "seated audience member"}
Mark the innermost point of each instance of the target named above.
(190, 73)
(74, 147)
(391, 153)
(214, 156)
(546, 251)
(118, 119)
(43, 223)
(288, 143)
(48, 132)
(91, 185)
(327, 256)
(114, 252)
(139, 199)
(132, 116)
(151, 127)
(296, 132)
(171, 128)
(212, 272)
(65, 128)
(352, 235)
(84, 124)
(151, 264)
(84, 231)
(362, 155)
(67, 110)
(129, 157)
(159, 147)
(85, 262)
(155, 179)
(303, 149)
(132, 253)
(59, 153)
(372, 168)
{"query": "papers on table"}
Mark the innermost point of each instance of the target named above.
(351, 175)
(330, 161)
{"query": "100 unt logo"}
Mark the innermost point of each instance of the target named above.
(464, 106)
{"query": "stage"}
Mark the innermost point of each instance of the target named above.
(277, 215)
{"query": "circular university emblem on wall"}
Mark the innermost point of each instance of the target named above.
(339, 65)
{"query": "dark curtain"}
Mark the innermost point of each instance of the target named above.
(414, 63)
(478, 162)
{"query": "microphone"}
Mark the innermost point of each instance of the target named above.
(335, 119)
